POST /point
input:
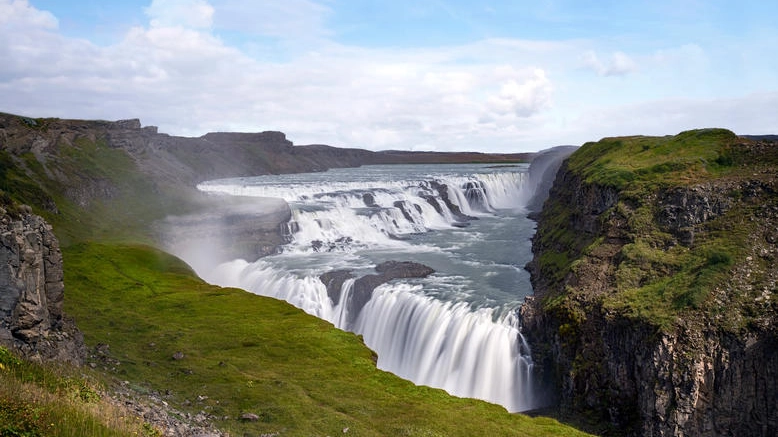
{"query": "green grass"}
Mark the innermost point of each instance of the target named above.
(687, 157)
(89, 191)
(248, 353)
(37, 401)
(656, 279)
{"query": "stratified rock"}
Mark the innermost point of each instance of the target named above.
(32, 291)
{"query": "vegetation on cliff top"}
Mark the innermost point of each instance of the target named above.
(685, 158)
(677, 222)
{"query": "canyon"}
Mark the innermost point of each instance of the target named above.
(654, 265)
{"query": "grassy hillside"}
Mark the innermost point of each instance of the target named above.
(38, 400)
(241, 353)
(246, 353)
(710, 178)
(84, 187)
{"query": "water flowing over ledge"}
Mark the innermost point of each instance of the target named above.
(455, 330)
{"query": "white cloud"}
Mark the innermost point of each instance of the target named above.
(523, 97)
(619, 64)
(749, 114)
(498, 94)
(186, 13)
(20, 15)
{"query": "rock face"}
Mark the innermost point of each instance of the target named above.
(363, 287)
(708, 369)
(32, 292)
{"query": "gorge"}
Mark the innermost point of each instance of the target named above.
(653, 265)
(451, 325)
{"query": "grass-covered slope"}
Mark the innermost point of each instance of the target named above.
(246, 353)
(38, 400)
(70, 174)
(674, 215)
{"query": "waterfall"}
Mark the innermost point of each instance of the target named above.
(440, 331)
(448, 345)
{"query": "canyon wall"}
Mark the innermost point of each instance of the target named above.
(655, 290)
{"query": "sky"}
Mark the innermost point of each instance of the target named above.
(443, 75)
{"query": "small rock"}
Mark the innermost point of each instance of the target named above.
(248, 417)
(178, 356)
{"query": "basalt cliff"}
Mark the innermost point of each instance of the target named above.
(655, 268)
(32, 291)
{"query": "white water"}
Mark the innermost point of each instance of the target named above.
(455, 330)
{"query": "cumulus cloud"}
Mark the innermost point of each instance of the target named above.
(178, 72)
(523, 97)
(619, 64)
(18, 13)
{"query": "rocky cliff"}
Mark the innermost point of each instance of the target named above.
(32, 291)
(655, 275)
(115, 179)
(168, 159)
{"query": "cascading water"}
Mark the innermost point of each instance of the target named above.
(456, 329)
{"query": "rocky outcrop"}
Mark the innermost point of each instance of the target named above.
(643, 363)
(387, 271)
(333, 281)
(363, 287)
(32, 291)
(442, 190)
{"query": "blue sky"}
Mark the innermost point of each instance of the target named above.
(426, 75)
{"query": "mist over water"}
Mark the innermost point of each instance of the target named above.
(456, 329)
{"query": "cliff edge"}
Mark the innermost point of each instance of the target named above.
(655, 307)
(32, 291)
